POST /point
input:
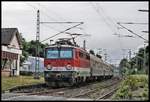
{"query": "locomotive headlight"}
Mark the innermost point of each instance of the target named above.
(68, 67)
(49, 67)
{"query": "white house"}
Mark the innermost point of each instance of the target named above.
(11, 51)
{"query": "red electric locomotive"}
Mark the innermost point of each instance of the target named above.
(67, 64)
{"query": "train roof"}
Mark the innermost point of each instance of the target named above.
(95, 58)
(69, 46)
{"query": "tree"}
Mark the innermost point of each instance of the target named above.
(136, 63)
(124, 66)
(33, 47)
(123, 63)
(24, 51)
(29, 48)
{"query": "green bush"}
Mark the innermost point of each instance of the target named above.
(132, 83)
(123, 92)
(145, 94)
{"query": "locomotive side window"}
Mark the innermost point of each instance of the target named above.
(87, 57)
(76, 54)
(81, 54)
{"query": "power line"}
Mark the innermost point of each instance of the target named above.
(108, 17)
(133, 23)
(35, 8)
(104, 18)
(50, 17)
(132, 32)
(31, 6)
(63, 31)
(142, 10)
(53, 13)
(101, 15)
(60, 22)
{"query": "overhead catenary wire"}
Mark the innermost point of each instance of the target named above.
(35, 8)
(112, 20)
(43, 11)
(132, 32)
(56, 29)
(132, 23)
(60, 17)
(58, 22)
(127, 23)
(62, 31)
(111, 23)
(98, 12)
(97, 9)
(54, 21)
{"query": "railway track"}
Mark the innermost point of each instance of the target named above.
(107, 95)
(100, 90)
(28, 88)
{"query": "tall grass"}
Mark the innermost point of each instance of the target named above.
(9, 82)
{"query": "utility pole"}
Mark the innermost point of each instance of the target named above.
(36, 76)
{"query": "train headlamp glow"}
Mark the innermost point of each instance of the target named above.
(68, 67)
(49, 67)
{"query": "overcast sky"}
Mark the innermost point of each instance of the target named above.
(100, 21)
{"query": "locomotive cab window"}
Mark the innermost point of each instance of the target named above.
(55, 53)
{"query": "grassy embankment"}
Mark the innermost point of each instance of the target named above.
(10, 82)
(134, 87)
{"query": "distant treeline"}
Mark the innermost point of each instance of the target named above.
(137, 64)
